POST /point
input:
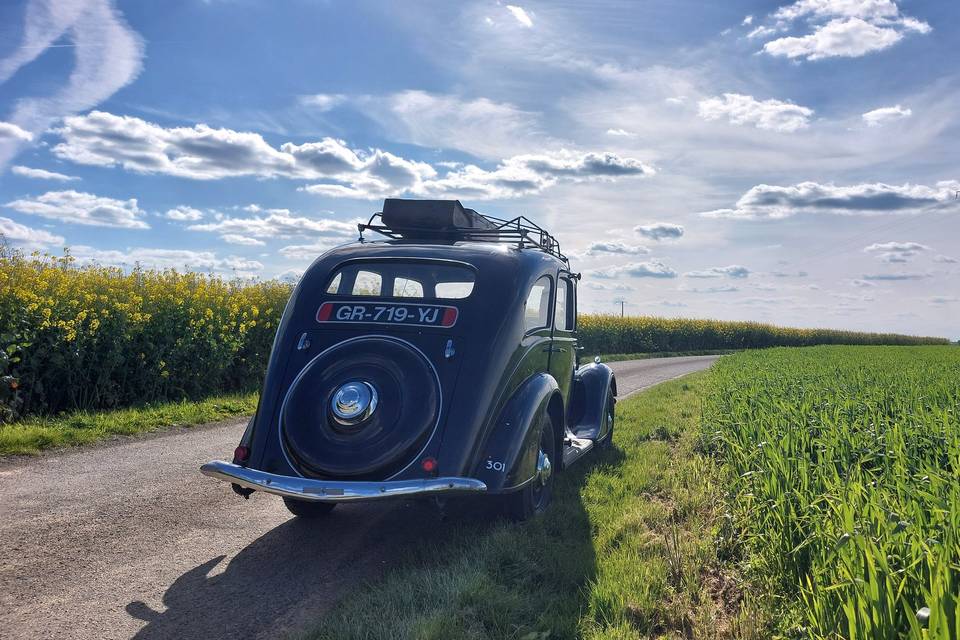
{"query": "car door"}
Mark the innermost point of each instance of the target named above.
(563, 352)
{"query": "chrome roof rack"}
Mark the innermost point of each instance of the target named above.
(520, 232)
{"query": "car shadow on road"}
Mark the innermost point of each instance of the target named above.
(290, 578)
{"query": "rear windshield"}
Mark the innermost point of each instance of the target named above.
(402, 280)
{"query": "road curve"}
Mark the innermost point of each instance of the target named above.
(129, 541)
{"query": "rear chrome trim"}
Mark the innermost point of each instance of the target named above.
(334, 490)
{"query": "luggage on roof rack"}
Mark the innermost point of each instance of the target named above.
(448, 220)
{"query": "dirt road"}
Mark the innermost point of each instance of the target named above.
(129, 540)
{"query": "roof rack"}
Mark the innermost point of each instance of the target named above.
(521, 232)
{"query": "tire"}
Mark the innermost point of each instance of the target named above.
(308, 509)
(610, 417)
(534, 498)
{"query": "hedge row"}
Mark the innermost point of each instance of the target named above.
(94, 337)
(613, 334)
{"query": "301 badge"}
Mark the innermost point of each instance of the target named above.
(410, 315)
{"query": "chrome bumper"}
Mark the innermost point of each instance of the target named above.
(336, 491)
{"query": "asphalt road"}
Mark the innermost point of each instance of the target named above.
(128, 540)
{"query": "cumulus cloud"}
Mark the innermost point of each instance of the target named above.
(649, 269)
(107, 56)
(622, 248)
(731, 271)
(838, 28)
(184, 213)
(24, 236)
(773, 115)
(772, 202)
(659, 231)
(40, 174)
(520, 15)
(204, 153)
(11, 132)
(167, 259)
(83, 208)
(247, 241)
(894, 252)
(278, 223)
(883, 115)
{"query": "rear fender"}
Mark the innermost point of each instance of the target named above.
(591, 384)
(509, 459)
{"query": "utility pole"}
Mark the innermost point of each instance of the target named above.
(622, 303)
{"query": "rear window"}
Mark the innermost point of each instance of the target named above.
(423, 280)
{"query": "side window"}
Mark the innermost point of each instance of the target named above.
(565, 316)
(537, 309)
(367, 284)
(560, 311)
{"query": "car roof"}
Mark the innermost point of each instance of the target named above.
(477, 253)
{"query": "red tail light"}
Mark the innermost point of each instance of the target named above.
(429, 465)
(241, 454)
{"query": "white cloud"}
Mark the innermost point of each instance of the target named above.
(106, 51)
(895, 276)
(896, 252)
(621, 248)
(10, 131)
(946, 260)
(724, 288)
(247, 241)
(167, 259)
(24, 236)
(183, 212)
(83, 208)
(944, 300)
(774, 115)
(290, 276)
(773, 202)
(278, 223)
(747, 21)
(521, 16)
(863, 284)
(659, 231)
(649, 269)
(204, 153)
(621, 133)
(731, 271)
(309, 251)
(323, 102)
(883, 115)
(40, 174)
(839, 28)
(600, 286)
(789, 274)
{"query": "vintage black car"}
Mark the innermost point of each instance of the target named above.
(439, 361)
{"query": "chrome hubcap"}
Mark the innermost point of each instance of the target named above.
(354, 402)
(544, 468)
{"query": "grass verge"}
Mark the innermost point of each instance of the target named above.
(33, 435)
(628, 548)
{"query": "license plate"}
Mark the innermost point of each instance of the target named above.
(409, 315)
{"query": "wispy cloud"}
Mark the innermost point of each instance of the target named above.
(883, 115)
(73, 207)
(40, 174)
(731, 271)
(649, 269)
(107, 54)
(520, 15)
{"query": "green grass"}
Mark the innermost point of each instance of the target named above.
(627, 549)
(36, 434)
(843, 468)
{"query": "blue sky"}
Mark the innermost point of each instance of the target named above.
(794, 162)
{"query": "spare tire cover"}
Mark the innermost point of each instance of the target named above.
(407, 412)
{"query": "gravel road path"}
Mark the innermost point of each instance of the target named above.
(130, 541)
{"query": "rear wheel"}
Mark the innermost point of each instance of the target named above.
(535, 497)
(307, 508)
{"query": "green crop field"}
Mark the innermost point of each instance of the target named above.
(843, 468)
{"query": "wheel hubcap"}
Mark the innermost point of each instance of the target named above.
(544, 468)
(353, 403)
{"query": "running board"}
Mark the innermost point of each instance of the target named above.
(575, 448)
